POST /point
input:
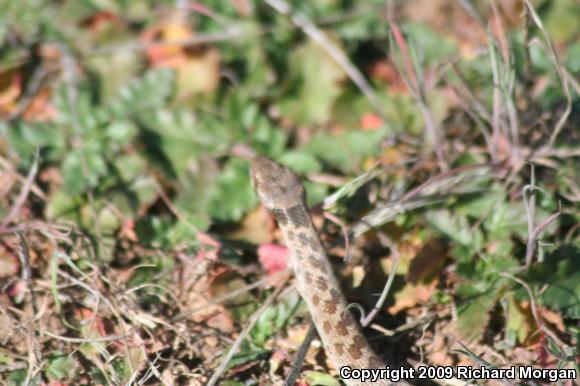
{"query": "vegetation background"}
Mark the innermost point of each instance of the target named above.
(440, 136)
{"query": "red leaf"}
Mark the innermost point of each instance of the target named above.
(273, 257)
(371, 121)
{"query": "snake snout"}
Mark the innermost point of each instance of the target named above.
(277, 186)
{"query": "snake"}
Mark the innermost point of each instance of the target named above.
(282, 193)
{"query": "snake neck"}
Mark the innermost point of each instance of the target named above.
(341, 335)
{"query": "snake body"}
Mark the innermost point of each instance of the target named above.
(282, 193)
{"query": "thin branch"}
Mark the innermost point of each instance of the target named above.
(413, 78)
(534, 308)
(244, 333)
(236, 293)
(234, 32)
(532, 238)
(300, 355)
(109, 338)
(24, 255)
(556, 62)
(395, 259)
(23, 193)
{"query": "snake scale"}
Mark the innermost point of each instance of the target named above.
(282, 194)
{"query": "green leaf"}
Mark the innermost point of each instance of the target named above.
(316, 85)
(517, 326)
(473, 315)
(558, 277)
(480, 205)
(149, 92)
(25, 138)
(317, 378)
(61, 368)
(234, 195)
(121, 132)
(274, 318)
(561, 21)
(432, 45)
(456, 227)
(114, 71)
(63, 205)
(300, 161)
(79, 177)
(347, 150)
(350, 188)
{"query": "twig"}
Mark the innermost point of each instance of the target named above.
(536, 232)
(478, 359)
(234, 32)
(470, 9)
(109, 338)
(31, 89)
(24, 255)
(556, 62)
(418, 92)
(23, 193)
(236, 293)
(395, 262)
(345, 233)
(530, 205)
(310, 29)
(34, 189)
(245, 331)
(534, 308)
(300, 355)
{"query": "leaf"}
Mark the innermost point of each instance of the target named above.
(274, 318)
(519, 319)
(114, 71)
(226, 206)
(317, 378)
(149, 92)
(413, 294)
(350, 188)
(480, 205)
(9, 264)
(61, 368)
(473, 315)
(345, 151)
(25, 138)
(431, 45)
(456, 227)
(178, 137)
(558, 277)
(81, 174)
(200, 74)
(121, 132)
(316, 81)
(273, 257)
(300, 161)
(561, 19)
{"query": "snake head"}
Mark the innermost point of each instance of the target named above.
(277, 187)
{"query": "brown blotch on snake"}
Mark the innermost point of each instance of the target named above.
(330, 306)
(279, 215)
(306, 241)
(316, 263)
(326, 326)
(358, 346)
(341, 327)
(298, 216)
(315, 299)
(321, 283)
(281, 190)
